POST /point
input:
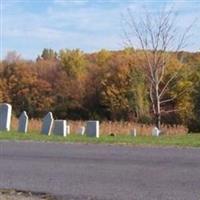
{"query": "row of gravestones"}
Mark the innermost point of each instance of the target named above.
(60, 127)
(49, 125)
(155, 132)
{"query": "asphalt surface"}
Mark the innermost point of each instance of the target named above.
(101, 172)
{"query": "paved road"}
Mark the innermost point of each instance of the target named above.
(101, 172)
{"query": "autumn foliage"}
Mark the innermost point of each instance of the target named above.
(105, 85)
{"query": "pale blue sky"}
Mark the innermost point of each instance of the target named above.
(28, 26)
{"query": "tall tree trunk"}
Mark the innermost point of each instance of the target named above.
(155, 35)
(158, 120)
(158, 111)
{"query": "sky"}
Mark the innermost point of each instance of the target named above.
(29, 26)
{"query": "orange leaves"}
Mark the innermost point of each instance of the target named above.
(102, 85)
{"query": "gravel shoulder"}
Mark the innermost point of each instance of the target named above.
(22, 195)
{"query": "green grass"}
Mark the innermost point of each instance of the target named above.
(190, 140)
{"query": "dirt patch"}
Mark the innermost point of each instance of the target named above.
(23, 195)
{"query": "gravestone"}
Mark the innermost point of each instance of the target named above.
(81, 130)
(47, 124)
(60, 128)
(92, 129)
(133, 132)
(67, 129)
(23, 122)
(155, 131)
(5, 116)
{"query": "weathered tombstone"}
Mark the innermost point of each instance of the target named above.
(47, 124)
(60, 128)
(23, 122)
(5, 116)
(133, 132)
(155, 131)
(81, 130)
(92, 129)
(67, 129)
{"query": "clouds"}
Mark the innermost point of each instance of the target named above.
(68, 2)
(88, 28)
(89, 25)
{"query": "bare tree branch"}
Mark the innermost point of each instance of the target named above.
(159, 41)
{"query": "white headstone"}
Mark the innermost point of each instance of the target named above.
(155, 131)
(133, 132)
(92, 129)
(47, 124)
(67, 129)
(5, 116)
(81, 130)
(60, 128)
(23, 122)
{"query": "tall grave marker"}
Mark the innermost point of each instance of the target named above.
(47, 124)
(23, 122)
(5, 116)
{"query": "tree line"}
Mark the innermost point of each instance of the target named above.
(105, 85)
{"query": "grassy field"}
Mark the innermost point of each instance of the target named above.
(107, 127)
(190, 140)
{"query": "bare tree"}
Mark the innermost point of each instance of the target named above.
(158, 39)
(12, 56)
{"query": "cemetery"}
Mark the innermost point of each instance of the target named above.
(99, 100)
(91, 131)
(49, 125)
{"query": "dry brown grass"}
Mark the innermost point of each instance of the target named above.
(124, 128)
(106, 127)
(34, 125)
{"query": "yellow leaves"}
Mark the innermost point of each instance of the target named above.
(112, 85)
(123, 87)
(103, 57)
(72, 61)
